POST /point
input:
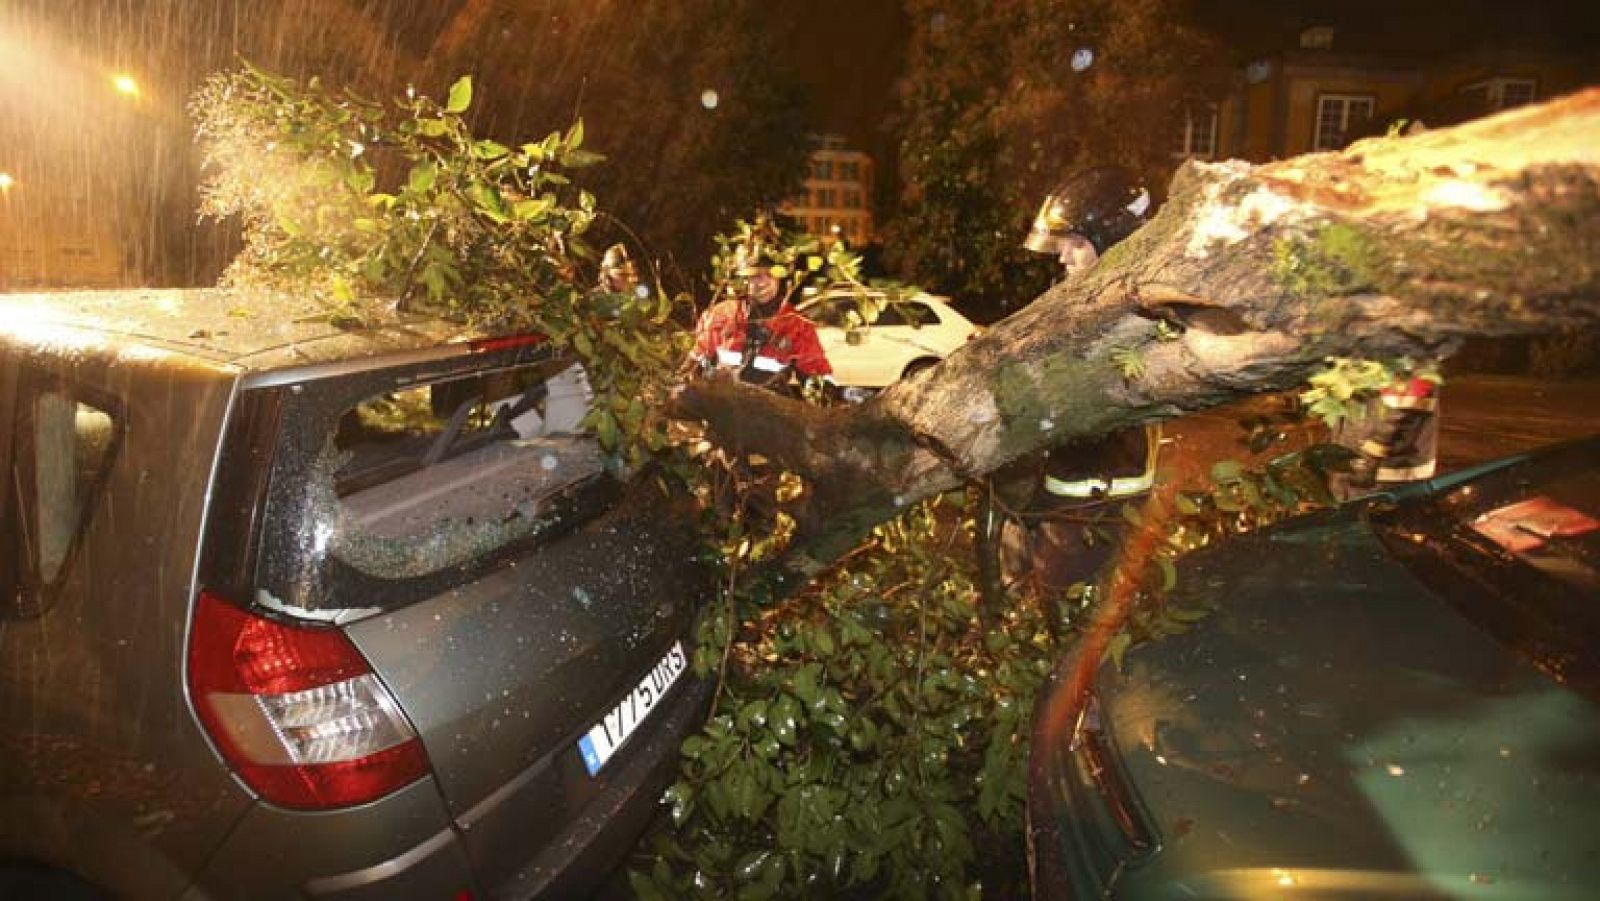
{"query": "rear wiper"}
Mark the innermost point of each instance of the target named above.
(500, 428)
(452, 429)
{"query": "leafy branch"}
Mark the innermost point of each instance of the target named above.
(385, 209)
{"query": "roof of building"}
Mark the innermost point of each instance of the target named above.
(240, 330)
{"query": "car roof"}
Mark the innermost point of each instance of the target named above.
(251, 331)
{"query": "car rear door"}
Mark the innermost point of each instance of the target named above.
(507, 589)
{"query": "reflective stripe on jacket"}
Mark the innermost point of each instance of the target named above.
(1118, 465)
(791, 340)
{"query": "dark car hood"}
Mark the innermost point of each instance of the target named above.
(1336, 724)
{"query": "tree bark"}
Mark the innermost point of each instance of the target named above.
(1247, 279)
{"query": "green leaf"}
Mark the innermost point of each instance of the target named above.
(784, 719)
(575, 135)
(606, 429)
(1118, 647)
(1226, 471)
(360, 179)
(422, 177)
(460, 95)
(432, 128)
(1169, 573)
(822, 640)
(577, 159)
(488, 201)
(679, 798)
(645, 888)
(753, 714)
(489, 150)
(805, 685)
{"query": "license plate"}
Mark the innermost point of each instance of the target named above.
(606, 736)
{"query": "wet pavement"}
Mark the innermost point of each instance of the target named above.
(1484, 417)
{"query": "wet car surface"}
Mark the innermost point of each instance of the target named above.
(296, 610)
(1394, 699)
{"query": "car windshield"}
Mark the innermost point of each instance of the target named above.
(835, 312)
(1517, 551)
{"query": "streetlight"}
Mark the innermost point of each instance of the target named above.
(125, 85)
(6, 181)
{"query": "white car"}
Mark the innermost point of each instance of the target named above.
(907, 336)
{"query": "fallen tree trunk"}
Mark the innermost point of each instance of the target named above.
(1247, 279)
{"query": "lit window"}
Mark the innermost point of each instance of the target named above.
(1336, 115)
(1319, 37)
(1502, 93)
(1197, 136)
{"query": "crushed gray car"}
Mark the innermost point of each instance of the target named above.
(1398, 698)
(293, 610)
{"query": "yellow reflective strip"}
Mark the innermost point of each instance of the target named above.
(1405, 474)
(1078, 488)
(1408, 402)
(1118, 487)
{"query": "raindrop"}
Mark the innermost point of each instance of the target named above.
(1082, 58)
(1396, 770)
(709, 99)
(549, 462)
(1046, 425)
(641, 291)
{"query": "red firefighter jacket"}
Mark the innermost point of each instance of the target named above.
(790, 340)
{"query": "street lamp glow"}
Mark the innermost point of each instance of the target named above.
(6, 181)
(125, 85)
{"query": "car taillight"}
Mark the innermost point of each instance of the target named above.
(297, 712)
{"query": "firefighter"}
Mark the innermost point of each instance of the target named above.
(618, 275)
(1397, 439)
(756, 333)
(1067, 502)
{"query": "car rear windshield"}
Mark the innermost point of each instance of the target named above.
(412, 486)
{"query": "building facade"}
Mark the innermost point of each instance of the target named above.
(837, 202)
(1320, 96)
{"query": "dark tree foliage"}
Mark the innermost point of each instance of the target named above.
(999, 101)
(699, 118)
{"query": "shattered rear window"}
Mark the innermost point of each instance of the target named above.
(418, 480)
(393, 485)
